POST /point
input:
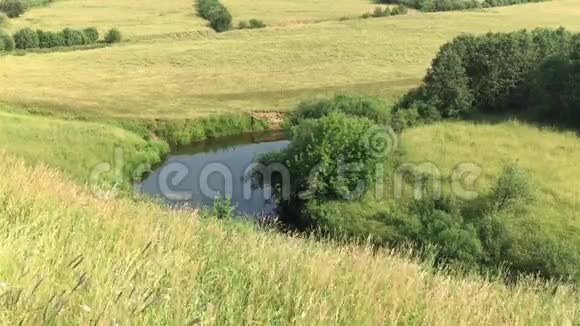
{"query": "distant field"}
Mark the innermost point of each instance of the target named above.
(136, 18)
(289, 12)
(269, 69)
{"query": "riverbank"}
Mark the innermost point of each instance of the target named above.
(105, 153)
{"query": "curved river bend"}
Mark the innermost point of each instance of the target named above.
(195, 175)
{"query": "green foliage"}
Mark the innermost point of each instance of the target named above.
(3, 19)
(443, 226)
(113, 36)
(512, 188)
(448, 85)
(495, 73)
(255, 23)
(399, 10)
(555, 88)
(357, 106)
(91, 35)
(51, 39)
(329, 158)
(222, 208)
(251, 24)
(453, 5)
(26, 39)
(183, 132)
(73, 37)
(12, 8)
(216, 13)
(7, 41)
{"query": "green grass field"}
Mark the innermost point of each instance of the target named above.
(101, 261)
(268, 69)
(548, 155)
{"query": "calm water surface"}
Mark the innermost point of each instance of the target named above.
(195, 175)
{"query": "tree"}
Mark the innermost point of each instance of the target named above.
(447, 85)
(12, 8)
(26, 39)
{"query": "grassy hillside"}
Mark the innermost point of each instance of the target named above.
(267, 69)
(548, 155)
(97, 261)
(77, 148)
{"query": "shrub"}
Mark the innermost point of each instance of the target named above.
(252, 23)
(328, 158)
(3, 19)
(12, 8)
(113, 36)
(356, 106)
(223, 208)
(26, 39)
(91, 35)
(399, 10)
(7, 41)
(217, 14)
(255, 23)
(512, 188)
(73, 37)
(51, 39)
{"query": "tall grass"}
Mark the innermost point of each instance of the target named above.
(67, 257)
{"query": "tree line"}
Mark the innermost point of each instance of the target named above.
(26, 38)
(451, 5)
(534, 74)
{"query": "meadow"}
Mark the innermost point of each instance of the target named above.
(104, 261)
(197, 74)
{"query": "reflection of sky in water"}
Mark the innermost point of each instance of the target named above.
(236, 159)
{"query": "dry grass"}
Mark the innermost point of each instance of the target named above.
(136, 18)
(269, 69)
(110, 261)
(291, 12)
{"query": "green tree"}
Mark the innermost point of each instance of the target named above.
(26, 39)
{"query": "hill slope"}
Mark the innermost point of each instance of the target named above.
(101, 261)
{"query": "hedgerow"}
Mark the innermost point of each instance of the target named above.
(26, 38)
(452, 5)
